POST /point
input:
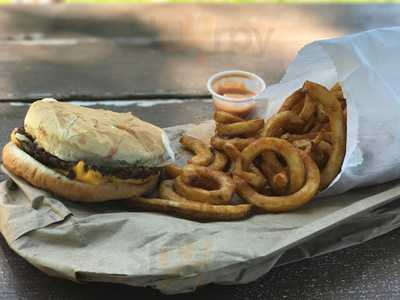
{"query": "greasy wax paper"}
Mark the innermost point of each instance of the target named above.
(106, 242)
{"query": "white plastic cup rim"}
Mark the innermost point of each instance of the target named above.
(222, 74)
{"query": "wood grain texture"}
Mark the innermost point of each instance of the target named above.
(157, 51)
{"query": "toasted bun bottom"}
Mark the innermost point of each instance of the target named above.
(22, 164)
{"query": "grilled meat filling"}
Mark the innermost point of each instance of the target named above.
(38, 153)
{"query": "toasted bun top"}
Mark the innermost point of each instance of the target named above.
(74, 133)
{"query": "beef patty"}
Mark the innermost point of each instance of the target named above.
(122, 172)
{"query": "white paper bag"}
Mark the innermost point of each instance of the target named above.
(367, 65)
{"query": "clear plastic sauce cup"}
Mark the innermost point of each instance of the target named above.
(235, 91)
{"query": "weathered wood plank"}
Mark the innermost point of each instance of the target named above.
(190, 21)
(136, 51)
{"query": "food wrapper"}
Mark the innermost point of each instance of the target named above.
(366, 66)
(106, 242)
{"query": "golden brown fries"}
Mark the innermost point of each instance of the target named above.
(318, 156)
(281, 123)
(275, 127)
(280, 181)
(173, 170)
(301, 105)
(166, 191)
(325, 147)
(244, 128)
(310, 124)
(192, 210)
(321, 114)
(337, 91)
(272, 161)
(192, 184)
(254, 177)
(309, 109)
(277, 165)
(345, 116)
(335, 114)
(304, 145)
(203, 155)
(283, 203)
(298, 107)
(292, 100)
(272, 167)
(325, 135)
(226, 118)
(220, 161)
(291, 155)
(239, 143)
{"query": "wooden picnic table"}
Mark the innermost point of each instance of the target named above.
(155, 60)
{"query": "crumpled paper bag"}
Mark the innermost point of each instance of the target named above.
(366, 65)
(105, 242)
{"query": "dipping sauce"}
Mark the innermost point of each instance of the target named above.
(236, 104)
(238, 91)
(235, 91)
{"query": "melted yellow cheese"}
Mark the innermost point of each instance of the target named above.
(87, 176)
(95, 177)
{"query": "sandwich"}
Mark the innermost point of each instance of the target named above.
(85, 154)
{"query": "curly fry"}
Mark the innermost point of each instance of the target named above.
(297, 107)
(282, 122)
(254, 177)
(273, 162)
(292, 100)
(239, 143)
(283, 203)
(185, 185)
(286, 150)
(203, 155)
(192, 210)
(321, 114)
(310, 124)
(244, 128)
(173, 170)
(219, 162)
(280, 181)
(276, 126)
(325, 135)
(309, 109)
(337, 91)
(276, 173)
(345, 117)
(334, 111)
(318, 156)
(166, 191)
(304, 145)
(325, 147)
